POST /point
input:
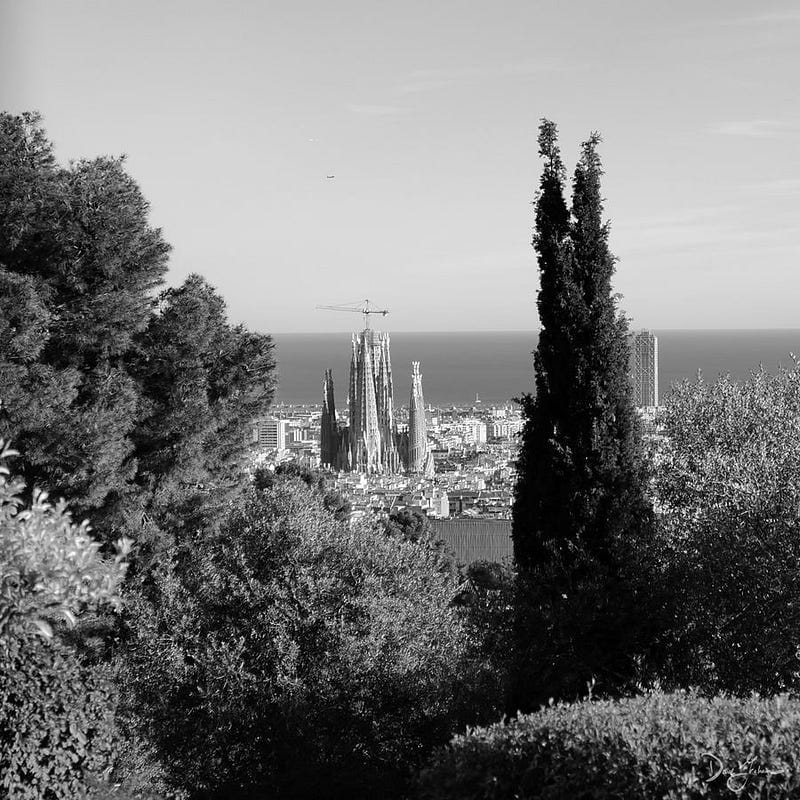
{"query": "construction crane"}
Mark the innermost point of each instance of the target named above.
(362, 307)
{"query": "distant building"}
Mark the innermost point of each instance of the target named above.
(271, 433)
(329, 434)
(504, 429)
(420, 459)
(440, 504)
(644, 368)
(370, 443)
(472, 431)
(372, 436)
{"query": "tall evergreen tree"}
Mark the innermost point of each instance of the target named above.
(126, 402)
(581, 479)
(203, 381)
(78, 262)
(580, 506)
(555, 345)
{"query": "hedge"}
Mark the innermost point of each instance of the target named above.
(659, 745)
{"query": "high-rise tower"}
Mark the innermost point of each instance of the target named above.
(417, 427)
(644, 368)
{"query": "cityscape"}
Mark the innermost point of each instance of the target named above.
(526, 526)
(449, 463)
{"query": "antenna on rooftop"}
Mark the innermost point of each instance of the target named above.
(363, 307)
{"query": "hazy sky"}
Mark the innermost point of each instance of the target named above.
(232, 114)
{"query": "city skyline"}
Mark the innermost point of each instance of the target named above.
(234, 117)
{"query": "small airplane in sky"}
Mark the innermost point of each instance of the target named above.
(330, 176)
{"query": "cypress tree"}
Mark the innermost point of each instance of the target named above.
(580, 509)
(581, 479)
(538, 468)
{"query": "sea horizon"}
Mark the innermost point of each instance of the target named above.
(497, 366)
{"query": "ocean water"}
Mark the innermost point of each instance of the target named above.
(499, 366)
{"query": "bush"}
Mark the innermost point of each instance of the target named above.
(678, 745)
(56, 721)
(56, 714)
(728, 549)
(298, 655)
(597, 625)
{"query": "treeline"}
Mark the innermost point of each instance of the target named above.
(219, 634)
(215, 634)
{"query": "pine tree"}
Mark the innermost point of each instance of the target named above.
(128, 403)
(78, 262)
(581, 480)
(203, 381)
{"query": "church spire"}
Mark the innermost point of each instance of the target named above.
(417, 427)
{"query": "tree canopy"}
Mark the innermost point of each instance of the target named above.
(728, 485)
(580, 473)
(299, 655)
(126, 401)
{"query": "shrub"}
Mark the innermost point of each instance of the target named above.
(728, 486)
(659, 745)
(56, 721)
(298, 655)
(56, 714)
(486, 599)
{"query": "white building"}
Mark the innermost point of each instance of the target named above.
(271, 433)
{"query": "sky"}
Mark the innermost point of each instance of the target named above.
(232, 115)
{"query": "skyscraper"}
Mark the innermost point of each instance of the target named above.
(644, 368)
(417, 427)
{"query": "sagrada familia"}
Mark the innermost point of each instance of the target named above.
(371, 442)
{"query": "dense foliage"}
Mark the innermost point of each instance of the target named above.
(678, 745)
(128, 403)
(581, 476)
(296, 654)
(270, 645)
(202, 383)
(728, 484)
(78, 264)
(56, 714)
(579, 502)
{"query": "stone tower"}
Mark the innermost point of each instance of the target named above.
(417, 427)
(370, 443)
(329, 438)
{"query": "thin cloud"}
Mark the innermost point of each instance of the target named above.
(769, 18)
(421, 85)
(376, 110)
(699, 228)
(757, 128)
(430, 80)
(780, 187)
